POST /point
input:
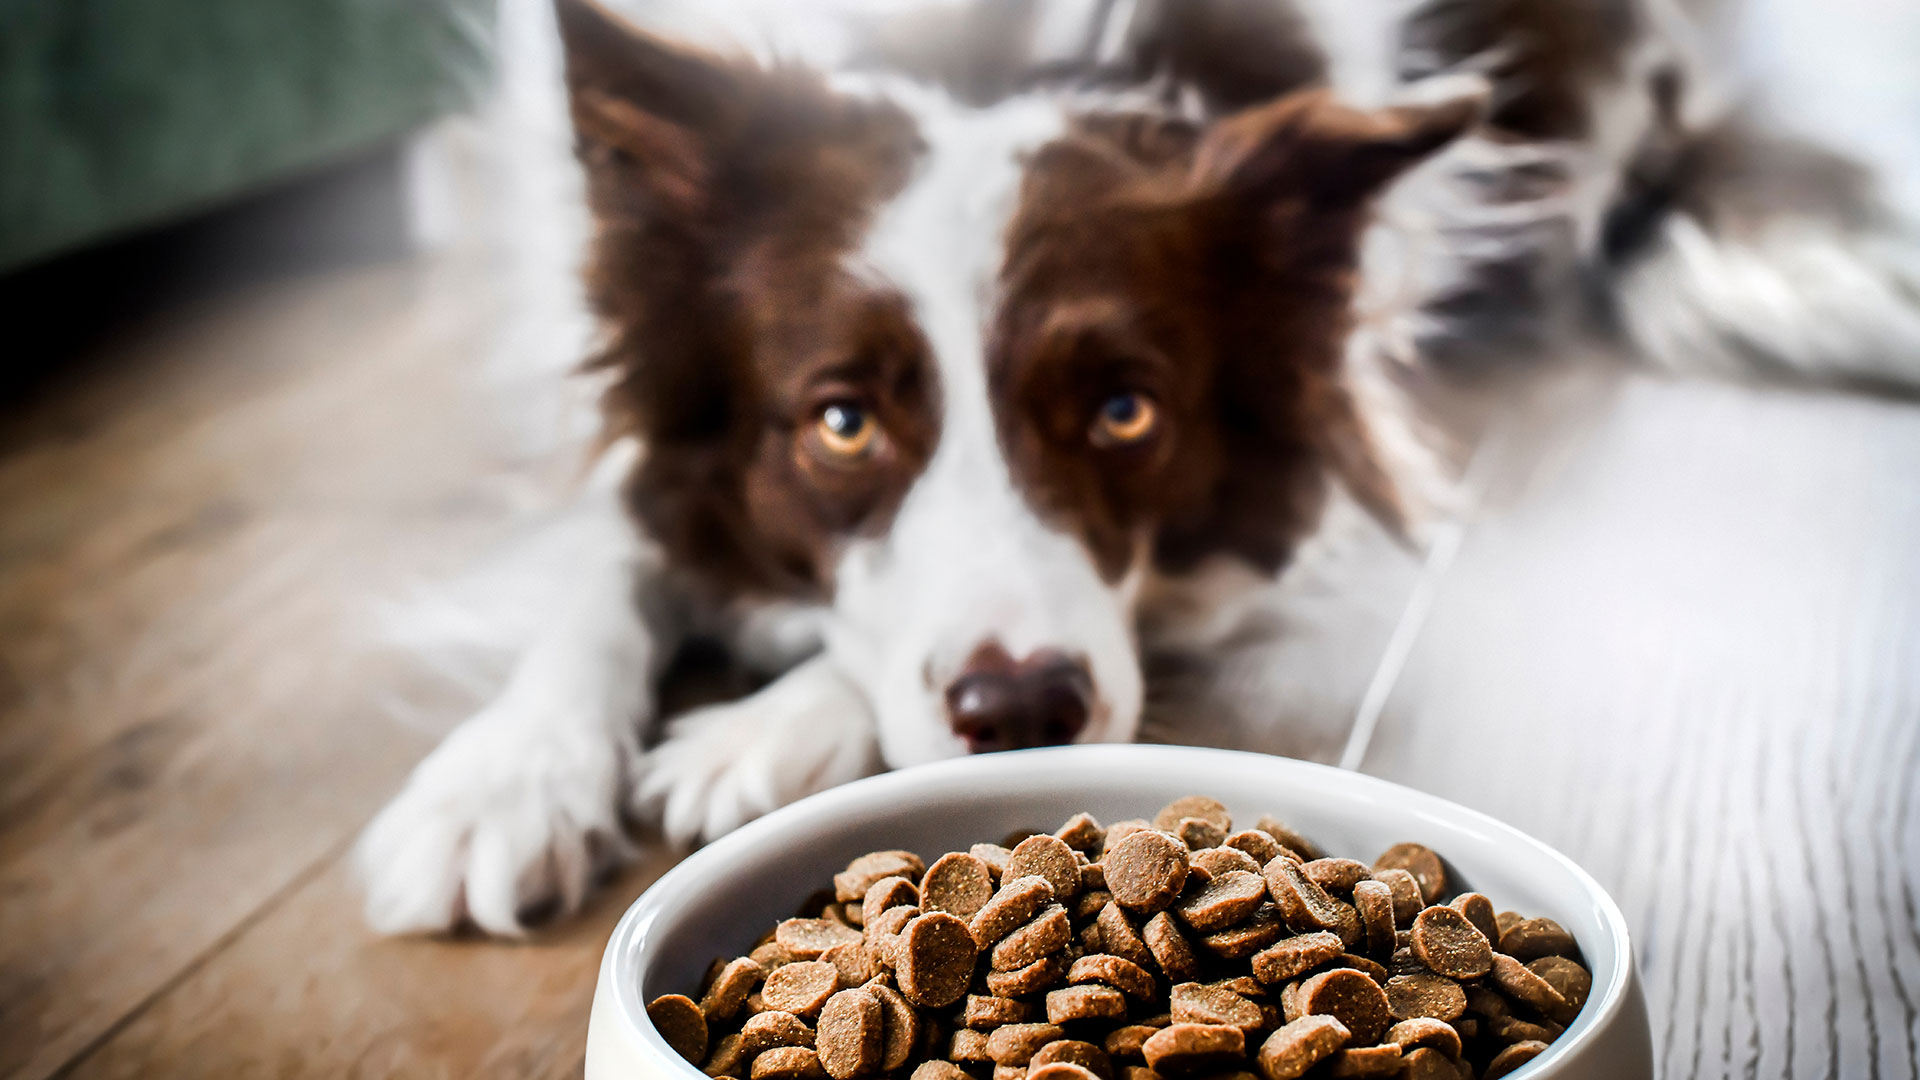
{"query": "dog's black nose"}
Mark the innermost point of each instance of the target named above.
(999, 703)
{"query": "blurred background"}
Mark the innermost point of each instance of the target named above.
(289, 314)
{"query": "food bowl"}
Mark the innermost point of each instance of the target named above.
(724, 896)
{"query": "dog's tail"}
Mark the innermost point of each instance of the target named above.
(1734, 251)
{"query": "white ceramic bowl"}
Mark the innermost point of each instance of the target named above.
(725, 895)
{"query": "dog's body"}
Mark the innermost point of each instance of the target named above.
(961, 410)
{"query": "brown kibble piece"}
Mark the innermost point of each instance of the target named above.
(807, 939)
(1351, 997)
(1048, 857)
(1427, 1064)
(1193, 806)
(787, 1063)
(1299, 1045)
(1425, 1031)
(1288, 838)
(1186, 1048)
(1082, 833)
(770, 955)
(1525, 986)
(1479, 911)
(984, 1012)
(1372, 970)
(1531, 939)
(888, 892)
(889, 922)
(1017, 902)
(1260, 930)
(1510, 1029)
(1089, 1002)
(1126, 1041)
(726, 1058)
(1009, 1072)
(1257, 846)
(900, 1025)
(1048, 933)
(957, 883)
(764, 1031)
(1199, 833)
(1120, 830)
(968, 1045)
(1123, 975)
(1043, 974)
(1305, 905)
(1222, 902)
(1169, 948)
(1382, 1060)
(852, 1034)
(1374, 902)
(995, 857)
(682, 1024)
(1140, 1072)
(1015, 1044)
(1336, 875)
(1118, 936)
(1513, 1057)
(1295, 956)
(1198, 1003)
(730, 988)
(801, 988)
(1572, 981)
(1060, 1070)
(1449, 945)
(856, 962)
(939, 1070)
(852, 883)
(1074, 1052)
(1420, 861)
(1434, 996)
(1146, 872)
(1407, 902)
(1218, 860)
(934, 959)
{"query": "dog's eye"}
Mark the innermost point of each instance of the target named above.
(845, 429)
(1124, 419)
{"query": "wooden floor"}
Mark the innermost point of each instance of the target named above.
(1680, 640)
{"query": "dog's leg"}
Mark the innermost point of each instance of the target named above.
(724, 765)
(519, 808)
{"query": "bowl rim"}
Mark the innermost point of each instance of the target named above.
(629, 938)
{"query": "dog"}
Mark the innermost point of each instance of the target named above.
(972, 395)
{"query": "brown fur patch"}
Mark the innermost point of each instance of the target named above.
(726, 197)
(1213, 272)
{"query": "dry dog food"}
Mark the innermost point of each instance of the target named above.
(1171, 949)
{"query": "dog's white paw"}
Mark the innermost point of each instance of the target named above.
(722, 766)
(505, 817)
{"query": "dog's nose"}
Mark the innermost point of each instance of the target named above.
(999, 703)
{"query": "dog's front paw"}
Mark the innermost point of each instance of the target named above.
(502, 820)
(722, 766)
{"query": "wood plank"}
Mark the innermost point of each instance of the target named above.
(307, 991)
(1684, 647)
(193, 541)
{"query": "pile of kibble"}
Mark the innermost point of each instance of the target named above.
(1172, 948)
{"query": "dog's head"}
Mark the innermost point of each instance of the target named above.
(970, 377)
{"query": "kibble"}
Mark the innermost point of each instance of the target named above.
(1170, 949)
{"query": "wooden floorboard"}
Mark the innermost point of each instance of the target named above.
(1683, 645)
(195, 540)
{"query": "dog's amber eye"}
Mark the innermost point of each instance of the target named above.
(1125, 419)
(846, 430)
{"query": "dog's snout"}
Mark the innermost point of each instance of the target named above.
(999, 703)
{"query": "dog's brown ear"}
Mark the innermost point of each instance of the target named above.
(648, 113)
(1309, 145)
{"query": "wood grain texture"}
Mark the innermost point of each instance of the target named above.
(1683, 646)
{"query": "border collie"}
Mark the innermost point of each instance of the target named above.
(965, 386)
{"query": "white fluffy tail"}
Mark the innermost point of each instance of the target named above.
(1784, 291)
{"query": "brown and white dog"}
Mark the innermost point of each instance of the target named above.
(955, 403)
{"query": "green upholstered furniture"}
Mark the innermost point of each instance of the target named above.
(117, 114)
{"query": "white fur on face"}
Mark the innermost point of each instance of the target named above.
(966, 561)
